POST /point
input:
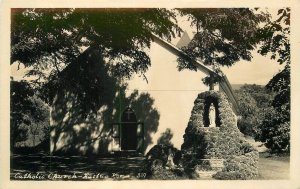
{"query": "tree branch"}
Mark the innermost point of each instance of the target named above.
(19, 65)
(55, 63)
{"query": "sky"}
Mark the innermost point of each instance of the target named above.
(259, 71)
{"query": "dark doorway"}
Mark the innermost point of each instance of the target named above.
(128, 130)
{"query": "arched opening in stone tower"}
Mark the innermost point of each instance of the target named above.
(211, 115)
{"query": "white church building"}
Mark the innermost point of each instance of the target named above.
(168, 95)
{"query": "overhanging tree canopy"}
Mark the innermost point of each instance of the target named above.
(275, 41)
(52, 38)
(223, 36)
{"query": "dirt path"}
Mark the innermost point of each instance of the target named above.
(273, 169)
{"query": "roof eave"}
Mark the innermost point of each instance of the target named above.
(223, 84)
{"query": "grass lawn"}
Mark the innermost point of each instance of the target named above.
(273, 167)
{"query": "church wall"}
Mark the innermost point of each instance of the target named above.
(163, 103)
(81, 111)
(173, 92)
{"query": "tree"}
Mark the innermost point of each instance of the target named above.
(249, 122)
(39, 121)
(260, 94)
(254, 102)
(275, 41)
(223, 36)
(20, 106)
(275, 132)
(29, 115)
(50, 39)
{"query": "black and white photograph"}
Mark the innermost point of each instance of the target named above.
(150, 94)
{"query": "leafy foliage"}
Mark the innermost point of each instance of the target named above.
(20, 107)
(223, 37)
(276, 132)
(50, 39)
(260, 94)
(275, 41)
(159, 165)
(165, 138)
(39, 128)
(250, 117)
(29, 116)
(240, 167)
(281, 85)
(275, 37)
(254, 102)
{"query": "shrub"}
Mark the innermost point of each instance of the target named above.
(165, 137)
(239, 167)
(159, 165)
(276, 132)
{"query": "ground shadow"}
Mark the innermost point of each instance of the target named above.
(48, 166)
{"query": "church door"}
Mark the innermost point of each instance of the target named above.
(128, 130)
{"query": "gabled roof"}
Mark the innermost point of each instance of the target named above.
(224, 84)
(176, 51)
